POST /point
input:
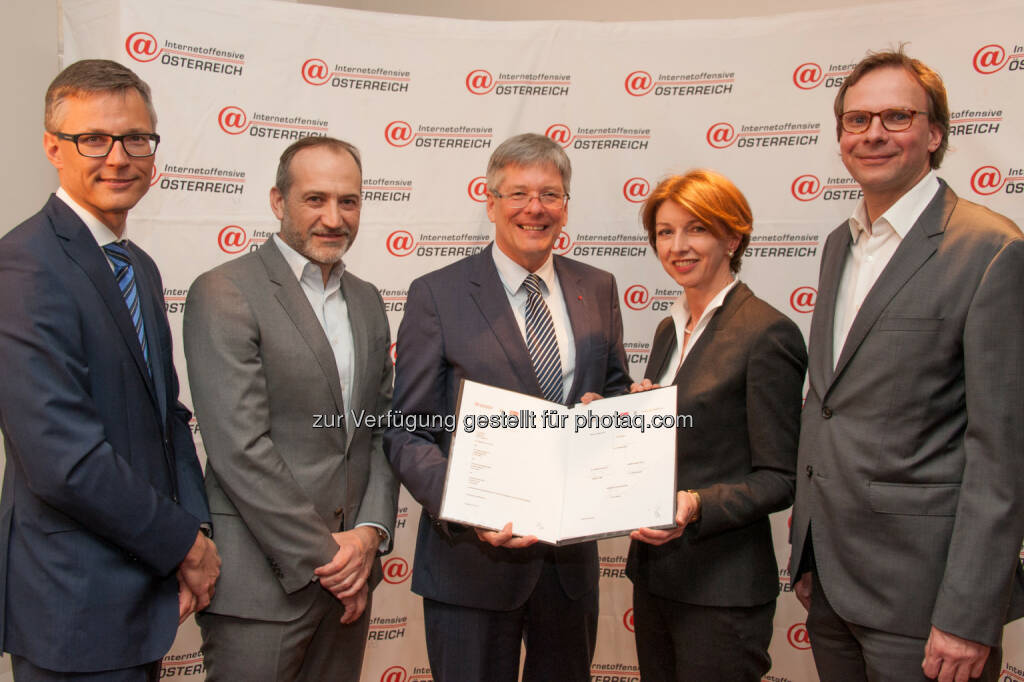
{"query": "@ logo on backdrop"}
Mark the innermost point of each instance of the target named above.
(802, 299)
(396, 570)
(993, 57)
(635, 190)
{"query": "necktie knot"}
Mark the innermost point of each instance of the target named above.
(532, 285)
(118, 257)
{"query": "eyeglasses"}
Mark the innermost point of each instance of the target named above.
(97, 145)
(522, 199)
(893, 120)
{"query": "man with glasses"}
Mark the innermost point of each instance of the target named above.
(909, 510)
(103, 517)
(516, 317)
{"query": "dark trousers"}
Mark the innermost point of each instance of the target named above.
(677, 642)
(474, 645)
(24, 671)
(854, 653)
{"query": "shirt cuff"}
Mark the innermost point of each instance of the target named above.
(385, 545)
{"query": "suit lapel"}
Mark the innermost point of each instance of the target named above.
(662, 347)
(361, 340)
(719, 320)
(151, 300)
(82, 249)
(823, 320)
(911, 254)
(296, 306)
(582, 316)
(488, 293)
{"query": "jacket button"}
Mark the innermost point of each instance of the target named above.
(826, 412)
(339, 511)
(810, 471)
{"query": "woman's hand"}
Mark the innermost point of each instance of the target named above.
(687, 510)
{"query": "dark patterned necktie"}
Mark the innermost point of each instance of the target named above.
(124, 273)
(541, 341)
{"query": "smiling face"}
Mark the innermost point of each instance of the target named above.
(690, 253)
(109, 186)
(887, 164)
(320, 213)
(527, 235)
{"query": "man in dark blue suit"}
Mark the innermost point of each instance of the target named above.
(485, 592)
(103, 517)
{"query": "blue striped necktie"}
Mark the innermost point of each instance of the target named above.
(124, 273)
(541, 341)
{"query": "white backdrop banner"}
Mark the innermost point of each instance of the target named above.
(427, 100)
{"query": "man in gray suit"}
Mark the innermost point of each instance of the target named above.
(485, 592)
(910, 478)
(287, 352)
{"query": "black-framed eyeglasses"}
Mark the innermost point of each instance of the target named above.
(893, 120)
(96, 145)
(522, 199)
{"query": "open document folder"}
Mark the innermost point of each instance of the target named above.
(564, 474)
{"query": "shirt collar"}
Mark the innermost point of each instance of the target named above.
(306, 270)
(513, 274)
(100, 232)
(902, 215)
(681, 308)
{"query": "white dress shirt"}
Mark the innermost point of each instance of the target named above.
(331, 310)
(872, 249)
(512, 276)
(680, 312)
(100, 232)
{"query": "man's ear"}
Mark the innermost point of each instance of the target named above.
(51, 146)
(277, 202)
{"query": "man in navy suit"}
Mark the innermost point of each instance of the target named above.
(103, 517)
(485, 592)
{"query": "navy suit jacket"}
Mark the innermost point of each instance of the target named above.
(102, 493)
(458, 325)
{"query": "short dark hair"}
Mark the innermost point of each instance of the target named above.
(928, 78)
(283, 181)
(528, 149)
(90, 76)
(712, 198)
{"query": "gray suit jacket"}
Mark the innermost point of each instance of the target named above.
(910, 473)
(261, 370)
(458, 324)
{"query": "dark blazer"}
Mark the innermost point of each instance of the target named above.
(911, 465)
(103, 494)
(280, 480)
(742, 383)
(458, 324)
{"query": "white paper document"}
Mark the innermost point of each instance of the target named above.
(564, 474)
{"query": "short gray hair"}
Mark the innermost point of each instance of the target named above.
(92, 76)
(528, 149)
